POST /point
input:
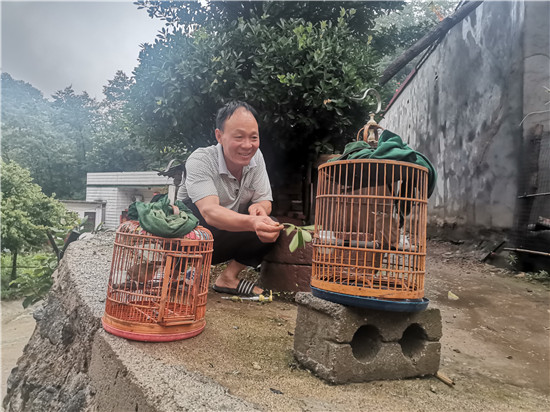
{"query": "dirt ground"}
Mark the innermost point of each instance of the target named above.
(495, 346)
(17, 327)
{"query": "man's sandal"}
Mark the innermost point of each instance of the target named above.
(244, 288)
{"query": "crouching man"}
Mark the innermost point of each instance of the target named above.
(227, 188)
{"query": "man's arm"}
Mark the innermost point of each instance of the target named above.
(262, 197)
(262, 208)
(225, 219)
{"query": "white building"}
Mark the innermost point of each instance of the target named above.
(94, 211)
(119, 189)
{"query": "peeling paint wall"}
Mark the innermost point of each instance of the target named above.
(463, 109)
(534, 199)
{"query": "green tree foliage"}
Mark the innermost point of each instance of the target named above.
(60, 141)
(34, 283)
(76, 117)
(190, 15)
(30, 137)
(27, 213)
(300, 73)
(116, 95)
(51, 139)
(115, 148)
(394, 33)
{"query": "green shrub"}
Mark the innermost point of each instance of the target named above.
(33, 283)
(25, 262)
(541, 276)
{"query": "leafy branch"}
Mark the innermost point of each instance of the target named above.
(301, 237)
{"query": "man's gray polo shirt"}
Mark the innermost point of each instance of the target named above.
(207, 175)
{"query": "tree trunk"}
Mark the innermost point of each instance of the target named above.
(438, 32)
(13, 266)
(54, 246)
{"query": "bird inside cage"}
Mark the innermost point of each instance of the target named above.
(142, 272)
(372, 213)
(149, 268)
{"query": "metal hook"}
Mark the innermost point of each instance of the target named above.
(375, 94)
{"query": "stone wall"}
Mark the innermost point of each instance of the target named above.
(72, 364)
(463, 109)
(53, 374)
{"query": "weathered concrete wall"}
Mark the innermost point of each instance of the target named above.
(463, 110)
(535, 170)
(536, 63)
(72, 364)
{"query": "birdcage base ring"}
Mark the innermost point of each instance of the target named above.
(152, 333)
(404, 305)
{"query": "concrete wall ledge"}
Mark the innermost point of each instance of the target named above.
(72, 364)
(244, 360)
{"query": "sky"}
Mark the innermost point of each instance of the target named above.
(52, 45)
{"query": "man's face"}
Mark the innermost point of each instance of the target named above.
(240, 139)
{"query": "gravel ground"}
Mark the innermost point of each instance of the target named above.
(495, 347)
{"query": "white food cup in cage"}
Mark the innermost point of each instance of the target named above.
(327, 238)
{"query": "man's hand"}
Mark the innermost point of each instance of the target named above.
(267, 229)
(215, 215)
(256, 209)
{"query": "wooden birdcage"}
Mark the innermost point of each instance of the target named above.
(158, 286)
(369, 245)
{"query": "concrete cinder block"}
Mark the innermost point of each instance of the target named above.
(344, 344)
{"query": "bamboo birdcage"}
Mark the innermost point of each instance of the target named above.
(158, 286)
(369, 246)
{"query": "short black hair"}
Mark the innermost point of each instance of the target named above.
(229, 108)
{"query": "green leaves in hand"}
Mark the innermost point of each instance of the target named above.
(301, 237)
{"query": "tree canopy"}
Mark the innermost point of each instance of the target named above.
(60, 141)
(299, 63)
(29, 136)
(398, 31)
(190, 15)
(27, 213)
(300, 73)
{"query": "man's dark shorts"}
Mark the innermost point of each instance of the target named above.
(244, 247)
